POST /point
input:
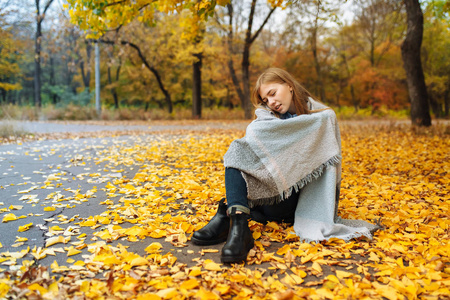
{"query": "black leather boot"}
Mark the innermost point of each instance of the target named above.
(240, 239)
(216, 231)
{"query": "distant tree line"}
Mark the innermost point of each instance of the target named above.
(209, 55)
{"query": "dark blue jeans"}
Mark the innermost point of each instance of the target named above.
(236, 192)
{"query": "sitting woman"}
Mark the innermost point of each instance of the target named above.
(287, 168)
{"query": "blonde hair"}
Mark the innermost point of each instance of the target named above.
(275, 75)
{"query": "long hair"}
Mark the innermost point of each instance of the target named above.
(275, 75)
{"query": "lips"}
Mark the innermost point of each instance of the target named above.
(278, 107)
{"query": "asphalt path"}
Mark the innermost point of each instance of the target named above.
(95, 126)
(35, 175)
(28, 185)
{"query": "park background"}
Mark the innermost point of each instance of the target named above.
(104, 209)
(172, 63)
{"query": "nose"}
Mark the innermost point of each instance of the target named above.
(270, 101)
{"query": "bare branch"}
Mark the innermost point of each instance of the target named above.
(115, 3)
(262, 25)
(49, 2)
(146, 63)
(216, 18)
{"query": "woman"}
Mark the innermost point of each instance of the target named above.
(287, 168)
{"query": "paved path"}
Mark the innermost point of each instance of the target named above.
(38, 182)
(30, 181)
(92, 126)
(156, 126)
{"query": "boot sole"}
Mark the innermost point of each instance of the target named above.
(207, 242)
(236, 259)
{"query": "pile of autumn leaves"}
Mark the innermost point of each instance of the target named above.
(390, 174)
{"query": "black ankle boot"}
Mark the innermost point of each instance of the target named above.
(216, 231)
(240, 239)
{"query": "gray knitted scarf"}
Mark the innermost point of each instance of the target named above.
(303, 153)
(278, 156)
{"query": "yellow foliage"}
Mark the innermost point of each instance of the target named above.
(37, 287)
(393, 176)
(25, 227)
(10, 217)
(97, 17)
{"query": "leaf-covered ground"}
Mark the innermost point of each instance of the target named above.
(139, 247)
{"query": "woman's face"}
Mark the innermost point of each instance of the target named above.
(278, 96)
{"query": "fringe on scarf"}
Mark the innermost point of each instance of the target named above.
(297, 186)
(355, 235)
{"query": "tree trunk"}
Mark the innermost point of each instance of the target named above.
(354, 99)
(315, 56)
(197, 87)
(3, 93)
(245, 65)
(230, 36)
(161, 87)
(372, 45)
(436, 107)
(244, 92)
(113, 90)
(37, 59)
(317, 64)
(52, 78)
(246, 102)
(98, 106)
(86, 74)
(420, 114)
(446, 103)
(352, 89)
(37, 51)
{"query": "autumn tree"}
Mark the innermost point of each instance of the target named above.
(380, 27)
(344, 67)
(377, 21)
(40, 16)
(103, 16)
(191, 50)
(66, 63)
(245, 36)
(436, 57)
(217, 86)
(10, 56)
(420, 114)
(311, 19)
(166, 45)
(197, 36)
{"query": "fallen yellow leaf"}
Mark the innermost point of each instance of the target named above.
(212, 266)
(25, 227)
(153, 248)
(9, 217)
(189, 284)
(20, 239)
(37, 287)
(56, 239)
(139, 261)
(72, 251)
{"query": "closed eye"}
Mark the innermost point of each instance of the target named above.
(271, 93)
